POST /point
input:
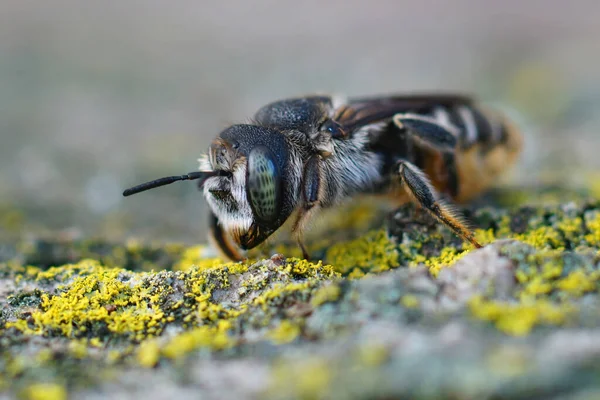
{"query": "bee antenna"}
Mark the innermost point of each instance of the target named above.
(170, 179)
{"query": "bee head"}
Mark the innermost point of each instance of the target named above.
(256, 194)
(246, 181)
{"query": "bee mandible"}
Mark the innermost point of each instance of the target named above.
(304, 154)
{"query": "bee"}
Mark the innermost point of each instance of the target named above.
(301, 155)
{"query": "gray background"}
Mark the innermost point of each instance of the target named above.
(98, 95)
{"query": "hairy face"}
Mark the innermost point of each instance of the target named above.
(250, 199)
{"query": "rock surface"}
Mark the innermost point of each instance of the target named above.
(403, 312)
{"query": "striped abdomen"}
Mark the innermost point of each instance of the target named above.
(488, 144)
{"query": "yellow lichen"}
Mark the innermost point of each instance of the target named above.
(571, 228)
(504, 230)
(551, 270)
(325, 294)
(508, 361)
(593, 238)
(194, 256)
(374, 252)
(215, 337)
(536, 286)
(356, 273)
(483, 236)
(578, 282)
(313, 379)
(519, 319)
(78, 348)
(542, 238)
(83, 302)
(94, 303)
(306, 379)
(286, 332)
(148, 353)
(447, 257)
(307, 268)
(279, 290)
(354, 217)
(372, 354)
(409, 301)
(45, 391)
(124, 304)
(593, 183)
(44, 355)
(16, 366)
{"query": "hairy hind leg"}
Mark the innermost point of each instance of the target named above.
(423, 193)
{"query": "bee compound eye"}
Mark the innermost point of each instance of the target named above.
(264, 184)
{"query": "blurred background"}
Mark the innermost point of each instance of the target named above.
(99, 96)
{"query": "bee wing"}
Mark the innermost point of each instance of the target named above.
(361, 111)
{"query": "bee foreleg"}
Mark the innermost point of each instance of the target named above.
(312, 194)
(427, 131)
(221, 240)
(422, 192)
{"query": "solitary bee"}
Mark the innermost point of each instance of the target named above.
(304, 154)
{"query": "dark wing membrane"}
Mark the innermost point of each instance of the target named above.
(361, 111)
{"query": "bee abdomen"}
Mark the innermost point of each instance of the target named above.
(473, 125)
(492, 151)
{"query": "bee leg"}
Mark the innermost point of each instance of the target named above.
(451, 174)
(304, 214)
(427, 131)
(312, 193)
(322, 142)
(219, 238)
(422, 192)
